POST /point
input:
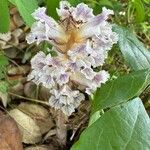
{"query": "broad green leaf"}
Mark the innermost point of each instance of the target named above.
(124, 127)
(134, 53)
(4, 16)
(121, 89)
(51, 7)
(26, 8)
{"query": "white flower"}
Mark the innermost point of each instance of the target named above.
(65, 99)
(81, 41)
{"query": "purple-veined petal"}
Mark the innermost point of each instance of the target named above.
(101, 77)
(47, 81)
(64, 10)
(63, 79)
(89, 73)
(73, 66)
(38, 61)
(68, 109)
(54, 102)
(53, 31)
(91, 28)
(37, 33)
(82, 13)
(40, 15)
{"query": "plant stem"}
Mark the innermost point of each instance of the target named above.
(29, 99)
(61, 123)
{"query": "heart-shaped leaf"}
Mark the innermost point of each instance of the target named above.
(124, 127)
(121, 89)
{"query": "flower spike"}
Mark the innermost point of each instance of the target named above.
(81, 41)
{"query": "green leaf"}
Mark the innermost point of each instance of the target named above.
(12, 1)
(76, 2)
(107, 3)
(26, 8)
(134, 53)
(125, 127)
(3, 60)
(3, 64)
(4, 16)
(3, 86)
(94, 117)
(51, 8)
(121, 90)
(139, 10)
(147, 1)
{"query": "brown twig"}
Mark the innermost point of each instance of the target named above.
(29, 99)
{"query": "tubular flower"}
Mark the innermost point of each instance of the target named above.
(81, 41)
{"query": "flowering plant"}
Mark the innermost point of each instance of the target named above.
(81, 41)
(73, 65)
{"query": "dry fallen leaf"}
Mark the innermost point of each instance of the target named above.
(42, 147)
(31, 133)
(4, 98)
(21, 70)
(10, 138)
(11, 52)
(17, 89)
(30, 89)
(44, 93)
(39, 114)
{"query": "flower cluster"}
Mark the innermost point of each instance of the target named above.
(82, 41)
